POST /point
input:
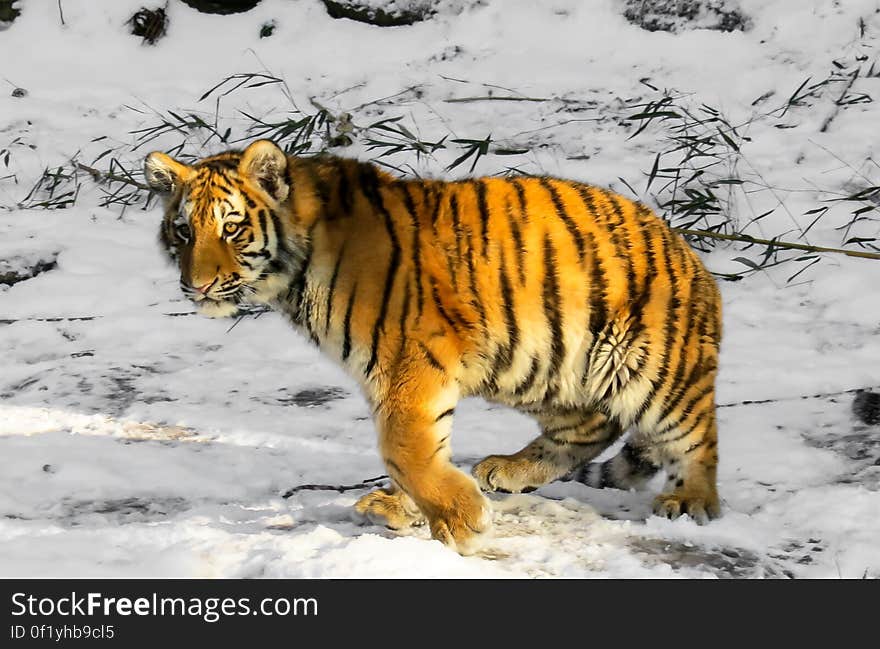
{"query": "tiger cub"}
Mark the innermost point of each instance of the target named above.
(565, 301)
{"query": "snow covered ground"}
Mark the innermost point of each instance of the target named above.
(138, 440)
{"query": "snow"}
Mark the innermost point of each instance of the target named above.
(139, 440)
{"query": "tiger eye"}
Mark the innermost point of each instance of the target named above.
(230, 228)
(183, 231)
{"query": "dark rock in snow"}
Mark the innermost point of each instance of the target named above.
(267, 29)
(8, 12)
(149, 24)
(312, 397)
(681, 15)
(18, 269)
(222, 6)
(866, 407)
(393, 16)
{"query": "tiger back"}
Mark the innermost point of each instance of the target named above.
(566, 301)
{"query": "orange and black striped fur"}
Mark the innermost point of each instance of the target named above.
(563, 300)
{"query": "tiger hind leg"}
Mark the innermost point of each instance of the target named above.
(567, 440)
(688, 450)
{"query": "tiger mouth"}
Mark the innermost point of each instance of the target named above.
(216, 308)
(243, 298)
(234, 294)
(220, 304)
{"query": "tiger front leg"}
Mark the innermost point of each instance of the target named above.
(415, 422)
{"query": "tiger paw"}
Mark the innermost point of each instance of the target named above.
(506, 474)
(393, 509)
(464, 519)
(700, 507)
(463, 531)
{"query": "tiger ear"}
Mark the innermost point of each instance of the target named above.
(266, 164)
(164, 173)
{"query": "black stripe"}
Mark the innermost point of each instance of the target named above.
(552, 308)
(445, 413)
(404, 314)
(369, 181)
(416, 243)
(645, 224)
(472, 281)
(432, 360)
(598, 278)
(637, 463)
(296, 288)
(564, 216)
(219, 164)
(529, 380)
(483, 207)
(578, 475)
(440, 446)
(305, 305)
(456, 221)
(521, 197)
(435, 293)
(594, 427)
(690, 449)
(622, 243)
(372, 192)
(687, 411)
(456, 229)
(263, 254)
(518, 243)
(280, 246)
(261, 217)
(524, 217)
(437, 197)
(332, 289)
(680, 384)
(643, 214)
(693, 447)
(343, 186)
(320, 183)
(504, 356)
(598, 293)
(605, 478)
(672, 319)
(549, 432)
(346, 325)
(679, 433)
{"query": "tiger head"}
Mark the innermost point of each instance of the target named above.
(222, 225)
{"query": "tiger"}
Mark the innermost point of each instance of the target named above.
(566, 301)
